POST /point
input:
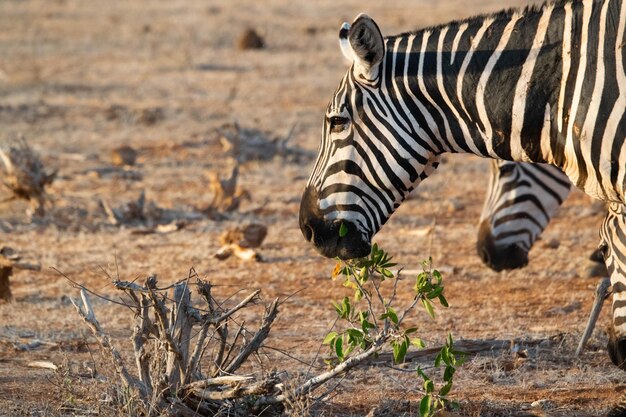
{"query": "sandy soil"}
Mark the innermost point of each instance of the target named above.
(78, 79)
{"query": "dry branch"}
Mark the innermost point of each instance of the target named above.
(264, 387)
(259, 337)
(87, 314)
(467, 347)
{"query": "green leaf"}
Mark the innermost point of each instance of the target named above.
(386, 273)
(338, 308)
(366, 325)
(392, 315)
(443, 300)
(434, 293)
(445, 356)
(429, 386)
(438, 360)
(339, 348)
(355, 334)
(445, 389)
(418, 342)
(329, 338)
(343, 230)
(448, 374)
(399, 351)
(425, 406)
(410, 330)
(421, 373)
(429, 308)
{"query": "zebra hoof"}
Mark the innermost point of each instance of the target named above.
(617, 353)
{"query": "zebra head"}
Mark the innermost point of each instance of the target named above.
(521, 200)
(368, 162)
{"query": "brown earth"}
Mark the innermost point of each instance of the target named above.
(78, 79)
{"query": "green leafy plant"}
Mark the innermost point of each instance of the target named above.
(373, 321)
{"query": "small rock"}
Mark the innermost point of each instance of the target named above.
(124, 156)
(150, 116)
(551, 243)
(540, 404)
(311, 30)
(9, 253)
(455, 205)
(250, 39)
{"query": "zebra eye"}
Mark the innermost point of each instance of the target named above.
(338, 124)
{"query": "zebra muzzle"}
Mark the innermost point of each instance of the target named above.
(498, 256)
(329, 237)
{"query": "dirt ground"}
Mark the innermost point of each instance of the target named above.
(78, 79)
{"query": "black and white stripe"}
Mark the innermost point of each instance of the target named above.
(543, 85)
(521, 199)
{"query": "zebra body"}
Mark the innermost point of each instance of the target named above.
(544, 85)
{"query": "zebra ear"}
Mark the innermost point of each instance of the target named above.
(344, 43)
(367, 45)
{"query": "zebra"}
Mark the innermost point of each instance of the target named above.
(545, 85)
(521, 199)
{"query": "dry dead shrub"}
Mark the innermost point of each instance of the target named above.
(25, 176)
(226, 194)
(187, 357)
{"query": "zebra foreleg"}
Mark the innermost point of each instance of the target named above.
(613, 237)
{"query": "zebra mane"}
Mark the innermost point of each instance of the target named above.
(499, 15)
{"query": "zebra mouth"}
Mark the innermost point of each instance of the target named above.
(330, 238)
(325, 236)
(499, 256)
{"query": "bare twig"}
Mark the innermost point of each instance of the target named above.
(264, 387)
(88, 315)
(238, 307)
(222, 362)
(140, 334)
(257, 340)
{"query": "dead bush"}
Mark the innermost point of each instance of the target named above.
(25, 176)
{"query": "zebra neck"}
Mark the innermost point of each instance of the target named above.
(500, 86)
